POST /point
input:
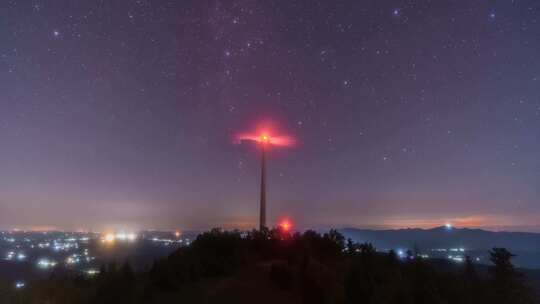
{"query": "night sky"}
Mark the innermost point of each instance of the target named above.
(122, 114)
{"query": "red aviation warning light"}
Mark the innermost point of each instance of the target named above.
(264, 139)
(285, 225)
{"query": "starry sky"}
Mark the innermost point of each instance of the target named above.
(122, 114)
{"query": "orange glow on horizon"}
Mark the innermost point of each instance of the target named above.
(36, 229)
(473, 221)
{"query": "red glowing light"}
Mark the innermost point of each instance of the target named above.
(285, 225)
(265, 133)
(266, 138)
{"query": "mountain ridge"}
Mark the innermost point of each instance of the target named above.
(526, 245)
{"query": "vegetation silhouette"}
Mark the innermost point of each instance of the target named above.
(274, 265)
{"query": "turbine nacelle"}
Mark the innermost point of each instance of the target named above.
(265, 138)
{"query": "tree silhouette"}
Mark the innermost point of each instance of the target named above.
(507, 282)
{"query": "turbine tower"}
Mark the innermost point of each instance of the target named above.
(262, 215)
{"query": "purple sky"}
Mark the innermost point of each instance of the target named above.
(122, 114)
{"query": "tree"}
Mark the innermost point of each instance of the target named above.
(392, 258)
(471, 289)
(410, 254)
(501, 259)
(507, 283)
(351, 246)
(469, 269)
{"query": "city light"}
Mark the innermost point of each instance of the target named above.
(125, 236)
(458, 258)
(168, 241)
(46, 263)
(73, 259)
(44, 245)
(121, 236)
(21, 256)
(46, 251)
(109, 238)
(9, 255)
(19, 285)
(92, 272)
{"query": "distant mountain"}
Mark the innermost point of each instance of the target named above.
(524, 244)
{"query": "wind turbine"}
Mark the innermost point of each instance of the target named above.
(264, 140)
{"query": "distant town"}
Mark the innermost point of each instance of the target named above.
(80, 252)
